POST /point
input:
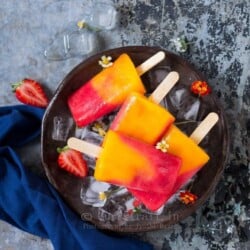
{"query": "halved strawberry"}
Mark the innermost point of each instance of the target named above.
(30, 92)
(72, 161)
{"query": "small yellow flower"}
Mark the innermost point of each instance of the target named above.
(102, 196)
(81, 24)
(162, 145)
(99, 128)
(106, 61)
(101, 132)
(97, 125)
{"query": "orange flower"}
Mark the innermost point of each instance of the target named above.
(136, 203)
(187, 197)
(200, 88)
(130, 212)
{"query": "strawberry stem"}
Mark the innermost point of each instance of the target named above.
(60, 150)
(14, 86)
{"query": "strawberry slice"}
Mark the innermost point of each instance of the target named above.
(30, 92)
(72, 161)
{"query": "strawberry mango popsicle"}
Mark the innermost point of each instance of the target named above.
(128, 162)
(108, 89)
(193, 159)
(142, 118)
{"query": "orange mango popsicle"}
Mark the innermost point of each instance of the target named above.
(142, 118)
(128, 162)
(108, 89)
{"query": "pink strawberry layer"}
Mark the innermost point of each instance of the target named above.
(94, 107)
(154, 200)
(128, 162)
(166, 166)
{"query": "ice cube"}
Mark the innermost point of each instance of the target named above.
(81, 42)
(88, 134)
(178, 97)
(71, 43)
(90, 192)
(61, 127)
(183, 105)
(101, 15)
(191, 110)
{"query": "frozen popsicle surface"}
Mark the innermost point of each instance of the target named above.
(128, 162)
(194, 157)
(105, 92)
(152, 200)
(142, 119)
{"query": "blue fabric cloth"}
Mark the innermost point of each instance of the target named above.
(30, 203)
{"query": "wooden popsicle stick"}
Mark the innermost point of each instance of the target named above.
(150, 63)
(204, 127)
(84, 147)
(164, 87)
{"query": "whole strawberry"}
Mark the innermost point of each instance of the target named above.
(72, 161)
(30, 92)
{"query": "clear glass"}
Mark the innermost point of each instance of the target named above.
(73, 40)
(101, 15)
(71, 44)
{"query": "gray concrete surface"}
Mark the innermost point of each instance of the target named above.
(218, 33)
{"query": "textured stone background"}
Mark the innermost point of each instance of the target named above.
(219, 35)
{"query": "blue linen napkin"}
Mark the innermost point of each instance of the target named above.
(30, 203)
